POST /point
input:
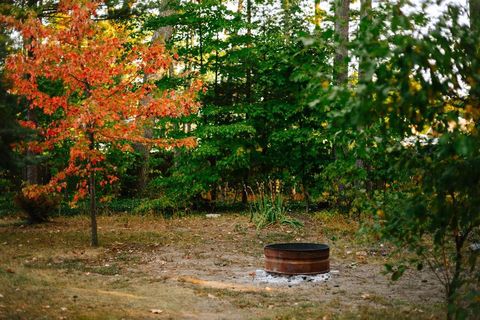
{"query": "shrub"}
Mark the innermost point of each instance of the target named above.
(36, 203)
(268, 209)
(162, 205)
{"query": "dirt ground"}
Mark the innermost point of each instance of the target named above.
(197, 268)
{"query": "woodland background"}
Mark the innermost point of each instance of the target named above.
(367, 109)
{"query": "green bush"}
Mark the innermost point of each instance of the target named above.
(162, 205)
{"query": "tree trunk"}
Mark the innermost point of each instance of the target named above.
(240, 6)
(365, 18)
(318, 14)
(248, 84)
(32, 170)
(244, 190)
(455, 283)
(475, 15)
(200, 40)
(287, 19)
(217, 69)
(244, 195)
(142, 172)
(93, 198)
(163, 35)
(342, 12)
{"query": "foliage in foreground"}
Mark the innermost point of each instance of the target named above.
(420, 107)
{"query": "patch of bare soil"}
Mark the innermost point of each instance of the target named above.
(225, 262)
(197, 268)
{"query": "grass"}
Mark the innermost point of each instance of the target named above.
(49, 271)
(75, 265)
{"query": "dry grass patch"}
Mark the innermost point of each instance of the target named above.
(193, 267)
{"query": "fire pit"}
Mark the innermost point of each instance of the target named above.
(297, 258)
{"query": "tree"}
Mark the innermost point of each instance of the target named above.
(223, 154)
(105, 80)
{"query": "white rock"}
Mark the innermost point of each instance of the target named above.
(261, 276)
(156, 311)
(475, 246)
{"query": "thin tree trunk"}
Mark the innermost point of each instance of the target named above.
(200, 40)
(365, 18)
(318, 14)
(200, 44)
(144, 152)
(244, 194)
(32, 170)
(455, 283)
(287, 19)
(240, 6)
(342, 13)
(217, 66)
(475, 15)
(248, 84)
(93, 198)
(248, 91)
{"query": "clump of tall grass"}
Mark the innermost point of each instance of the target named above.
(268, 207)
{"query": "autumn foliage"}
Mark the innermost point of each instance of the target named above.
(107, 95)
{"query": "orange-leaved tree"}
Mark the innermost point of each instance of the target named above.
(107, 93)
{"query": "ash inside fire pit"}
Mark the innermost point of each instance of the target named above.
(261, 276)
(297, 258)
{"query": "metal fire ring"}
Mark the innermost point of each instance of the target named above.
(297, 258)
